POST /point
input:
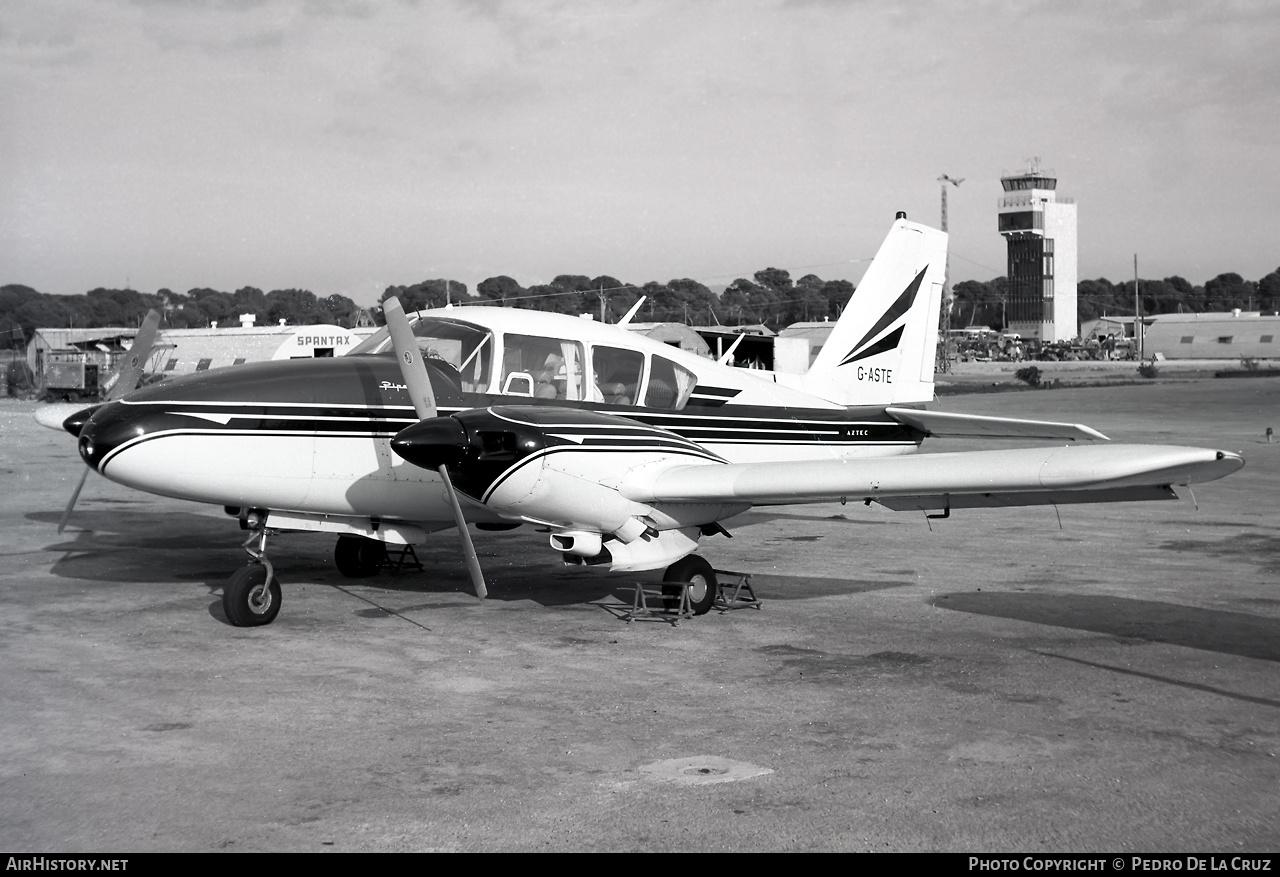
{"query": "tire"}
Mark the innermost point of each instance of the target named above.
(358, 557)
(248, 599)
(702, 591)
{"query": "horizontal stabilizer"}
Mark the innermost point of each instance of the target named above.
(1056, 470)
(947, 425)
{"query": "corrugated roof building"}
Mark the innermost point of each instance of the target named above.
(676, 334)
(183, 351)
(1214, 335)
(100, 346)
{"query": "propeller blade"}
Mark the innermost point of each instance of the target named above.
(468, 548)
(123, 380)
(418, 382)
(412, 369)
(135, 361)
(75, 495)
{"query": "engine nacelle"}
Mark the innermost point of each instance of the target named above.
(654, 552)
(581, 543)
(562, 467)
(551, 465)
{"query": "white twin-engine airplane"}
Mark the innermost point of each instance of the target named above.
(628, 450)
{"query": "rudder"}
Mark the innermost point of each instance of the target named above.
(882, 349)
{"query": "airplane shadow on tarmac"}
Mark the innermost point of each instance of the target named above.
(523, 574)
(131, 546)
(121, 545)
(135, 547)
(1213, 630)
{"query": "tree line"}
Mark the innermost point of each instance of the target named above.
(23, 309)
(770, 297)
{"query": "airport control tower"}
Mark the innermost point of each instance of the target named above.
(1040, 229)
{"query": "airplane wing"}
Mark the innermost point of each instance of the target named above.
(1024, 476)
(944, 424)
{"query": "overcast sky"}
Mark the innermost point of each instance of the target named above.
(342, 145)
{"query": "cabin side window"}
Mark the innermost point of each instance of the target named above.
(545, 368)
(669, 386)
(615, 374)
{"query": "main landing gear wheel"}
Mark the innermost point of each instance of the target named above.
(248, 599)
(702, 587)
(358, 557)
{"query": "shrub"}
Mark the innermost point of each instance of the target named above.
(1029, 375)
(1148, 369)
(18, 377)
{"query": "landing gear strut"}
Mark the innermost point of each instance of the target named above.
(252, 595)
(702, 584)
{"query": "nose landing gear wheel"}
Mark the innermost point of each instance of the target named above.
(248, 599)
(702, 587)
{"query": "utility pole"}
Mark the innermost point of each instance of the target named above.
(1137, 311)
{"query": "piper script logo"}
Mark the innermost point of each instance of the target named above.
(866, 347)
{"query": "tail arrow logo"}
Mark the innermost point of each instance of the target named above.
(861, 350)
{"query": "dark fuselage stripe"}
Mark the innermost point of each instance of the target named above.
(384, 422)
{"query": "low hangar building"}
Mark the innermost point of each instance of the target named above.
(1229, 335)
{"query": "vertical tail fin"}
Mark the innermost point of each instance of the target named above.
(882, 349)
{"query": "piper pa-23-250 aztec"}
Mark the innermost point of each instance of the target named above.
(628, 450)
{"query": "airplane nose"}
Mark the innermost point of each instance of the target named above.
(87, 447)
(432, 443)
(76, 422)
(105, 429)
